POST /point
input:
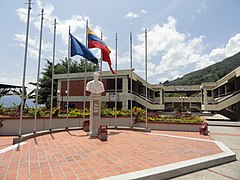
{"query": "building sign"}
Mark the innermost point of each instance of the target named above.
(95, 107)
(181, 88)
(112, 97)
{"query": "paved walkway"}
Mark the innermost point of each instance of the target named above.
(230, 136)
(72, 155)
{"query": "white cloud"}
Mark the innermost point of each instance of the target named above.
(77, 24)
(22, 14)
(143, 11)
(33, 45)
(199, 9)
(131, 15)
(171, 54)
(232, 47)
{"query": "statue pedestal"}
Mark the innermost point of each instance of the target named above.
(95, 114)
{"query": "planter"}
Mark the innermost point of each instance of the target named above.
(171, 126)
(11, 125)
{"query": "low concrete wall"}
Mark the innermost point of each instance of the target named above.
(190, 127)
(11, 126)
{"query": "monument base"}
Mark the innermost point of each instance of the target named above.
(95, 112)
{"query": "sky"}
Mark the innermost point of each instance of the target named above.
(182, 35)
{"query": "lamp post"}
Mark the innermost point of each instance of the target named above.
(58, 94)
(61, 94)
(66, 92)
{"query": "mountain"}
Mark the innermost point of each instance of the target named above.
(9, 101)
(209, 74)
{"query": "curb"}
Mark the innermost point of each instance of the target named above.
(181, 168)
(41, 133)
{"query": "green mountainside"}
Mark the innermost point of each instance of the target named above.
(209, 74)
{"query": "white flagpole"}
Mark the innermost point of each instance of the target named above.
(131, 77)
(38, 72)
(85, 74)
(24, 72)
(116, 85)
(54, 42)
(146, 75)
(68, 75)
(101, 60)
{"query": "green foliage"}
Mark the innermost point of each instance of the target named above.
(87, 112)
(56, 112)
(2, 110)
(107, 112)
(26, 96)
(60, 68)
(172, 118)
(209, 74)
(75, 112)
(139, 113)
(112, 112)
(41, 112)
(124, 113)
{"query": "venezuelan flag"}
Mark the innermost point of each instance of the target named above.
(95, 42)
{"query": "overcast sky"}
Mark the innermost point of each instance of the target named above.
(183, 35)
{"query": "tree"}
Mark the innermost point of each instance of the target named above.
(60, 68)
(30, 95)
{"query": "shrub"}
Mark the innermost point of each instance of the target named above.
(2, 110)
(75, 112)
(139, 113)
(173, 118)
(106, 112)
(56, 112)
(123, 113)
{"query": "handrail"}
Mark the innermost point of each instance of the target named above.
(223, 98)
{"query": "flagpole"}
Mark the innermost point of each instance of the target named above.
(131, 77)
(116, 85)
(38, 72)
(24, 72)
(85, 74)
(54, 42)
(101, 60)
(146, 74)
(68, 75)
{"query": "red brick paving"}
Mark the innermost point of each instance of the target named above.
(6, 141)
(72, 155)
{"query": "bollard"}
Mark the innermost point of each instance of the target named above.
(102, 133)
(204, 128)
(86, 125)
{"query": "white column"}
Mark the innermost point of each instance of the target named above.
(125, 96)
(160, 96)
(95, 112)
(205, 97)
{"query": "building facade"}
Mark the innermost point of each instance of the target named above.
(222, 96)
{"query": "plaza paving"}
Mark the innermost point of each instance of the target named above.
(72, 155)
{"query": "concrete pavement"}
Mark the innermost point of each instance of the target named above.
(72, 155)
(230, 136)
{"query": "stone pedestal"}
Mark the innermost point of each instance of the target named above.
(95, 114)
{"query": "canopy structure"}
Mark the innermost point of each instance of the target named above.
(6, 89)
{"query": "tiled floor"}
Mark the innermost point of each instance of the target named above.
(72, 155)
(6, 141)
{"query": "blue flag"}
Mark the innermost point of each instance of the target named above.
(78, 48)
